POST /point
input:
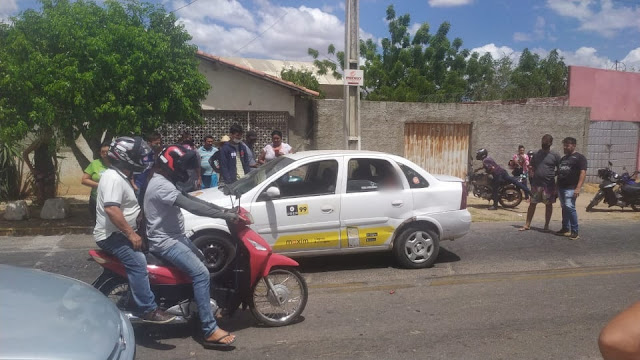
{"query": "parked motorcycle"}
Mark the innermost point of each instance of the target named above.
(617, 190)
(267, 283)
(509, 196)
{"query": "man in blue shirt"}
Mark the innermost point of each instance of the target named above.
(208, 176)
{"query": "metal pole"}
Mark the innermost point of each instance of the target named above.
(352, 93)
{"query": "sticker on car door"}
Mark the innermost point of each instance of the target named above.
(295, 210)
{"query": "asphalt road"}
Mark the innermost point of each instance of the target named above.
(495, 294)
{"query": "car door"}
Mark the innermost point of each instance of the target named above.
(375, 201)
(306, 215)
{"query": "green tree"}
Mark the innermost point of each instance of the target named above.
(302, 77)
(80, 69)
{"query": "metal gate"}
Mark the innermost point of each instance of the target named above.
(615, 141)
(217, 123)
(439, 148)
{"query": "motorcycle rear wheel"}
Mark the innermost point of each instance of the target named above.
(510, 197)
(117, 290)
(596, 200)
(291, 291)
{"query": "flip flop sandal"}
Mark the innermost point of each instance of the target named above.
(217, 342)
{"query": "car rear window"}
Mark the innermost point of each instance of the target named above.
(416, 181)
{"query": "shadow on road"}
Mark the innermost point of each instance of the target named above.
(377, 260)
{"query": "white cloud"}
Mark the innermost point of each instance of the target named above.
(7, 8)
(537, 34)
(586, 56)
(449, 3)
(497, 52)
(228, 12)
(518, 36)
(272, 31)
(632, 60)
(600, 16)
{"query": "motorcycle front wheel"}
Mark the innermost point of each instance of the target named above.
(596, 200)
(287, 300)
(510, 196)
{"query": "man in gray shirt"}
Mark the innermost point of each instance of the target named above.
(165, 230)
(542, 171)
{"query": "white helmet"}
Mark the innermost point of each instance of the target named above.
(127, 153)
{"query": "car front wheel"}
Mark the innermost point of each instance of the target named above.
(416, 248)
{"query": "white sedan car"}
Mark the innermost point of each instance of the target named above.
(340, 202)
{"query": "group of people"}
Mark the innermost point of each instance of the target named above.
(551, 177)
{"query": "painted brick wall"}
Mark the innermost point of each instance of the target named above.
(499, 128)
(615, 141)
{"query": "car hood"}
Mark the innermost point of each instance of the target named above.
(215, 196)
(49, 316)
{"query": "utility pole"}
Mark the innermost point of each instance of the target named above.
(351, 93)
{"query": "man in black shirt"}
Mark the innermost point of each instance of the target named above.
(571, 174)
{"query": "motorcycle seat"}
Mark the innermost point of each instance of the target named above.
(155, 260)
(631, 189)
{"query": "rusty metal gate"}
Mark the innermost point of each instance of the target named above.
(217, 123)
(439, 148)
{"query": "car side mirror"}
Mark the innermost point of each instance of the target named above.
(272, 192)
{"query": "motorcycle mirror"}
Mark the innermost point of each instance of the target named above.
(610, 164)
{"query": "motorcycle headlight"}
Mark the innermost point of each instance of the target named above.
(257, 246)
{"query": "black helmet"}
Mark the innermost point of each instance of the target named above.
(481, 154)
(530, 153)
(176, 160)
(127, 153)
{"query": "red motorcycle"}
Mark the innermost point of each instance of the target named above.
(267, 283)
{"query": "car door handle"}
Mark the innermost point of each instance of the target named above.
(397, 203)
(327, 209)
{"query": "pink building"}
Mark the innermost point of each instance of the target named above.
(614, 99)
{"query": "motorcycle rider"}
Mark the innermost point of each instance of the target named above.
(500, 176)
(166, 233)
(116, 212)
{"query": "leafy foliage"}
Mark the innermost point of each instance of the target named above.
(302, 77)
(431, 68)
(78, 68)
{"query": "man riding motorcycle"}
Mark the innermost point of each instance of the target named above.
(500, 176)
(165, 230)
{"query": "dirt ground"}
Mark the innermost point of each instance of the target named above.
(479, 213)
(79, 221)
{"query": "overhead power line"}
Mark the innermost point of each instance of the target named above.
(262, 33)
(183, 6)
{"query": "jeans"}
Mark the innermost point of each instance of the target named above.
(569, 213)
(183, 256)
(209, 181)
(502, 177)
(135, 263)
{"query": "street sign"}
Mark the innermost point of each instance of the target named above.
(354, 77)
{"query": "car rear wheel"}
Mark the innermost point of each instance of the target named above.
(416, 248)
(218, 250)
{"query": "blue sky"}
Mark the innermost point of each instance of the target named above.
(586, 32)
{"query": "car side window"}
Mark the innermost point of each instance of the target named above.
(371, 175)
(416, 181)
(313, 179)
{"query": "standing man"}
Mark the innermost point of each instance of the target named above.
(250, 141)
(115, 231)
(234, 160)
(542, 173)
(571, 174)
(206, 151)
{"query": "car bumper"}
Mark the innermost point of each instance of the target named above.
(455, 224)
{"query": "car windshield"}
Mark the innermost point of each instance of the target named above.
(259, 175)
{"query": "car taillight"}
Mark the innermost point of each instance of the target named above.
(463, 198)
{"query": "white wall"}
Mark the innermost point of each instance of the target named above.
(235, 90)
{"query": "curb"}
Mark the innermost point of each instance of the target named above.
(82, 230)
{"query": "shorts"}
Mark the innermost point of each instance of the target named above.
(546, 194)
